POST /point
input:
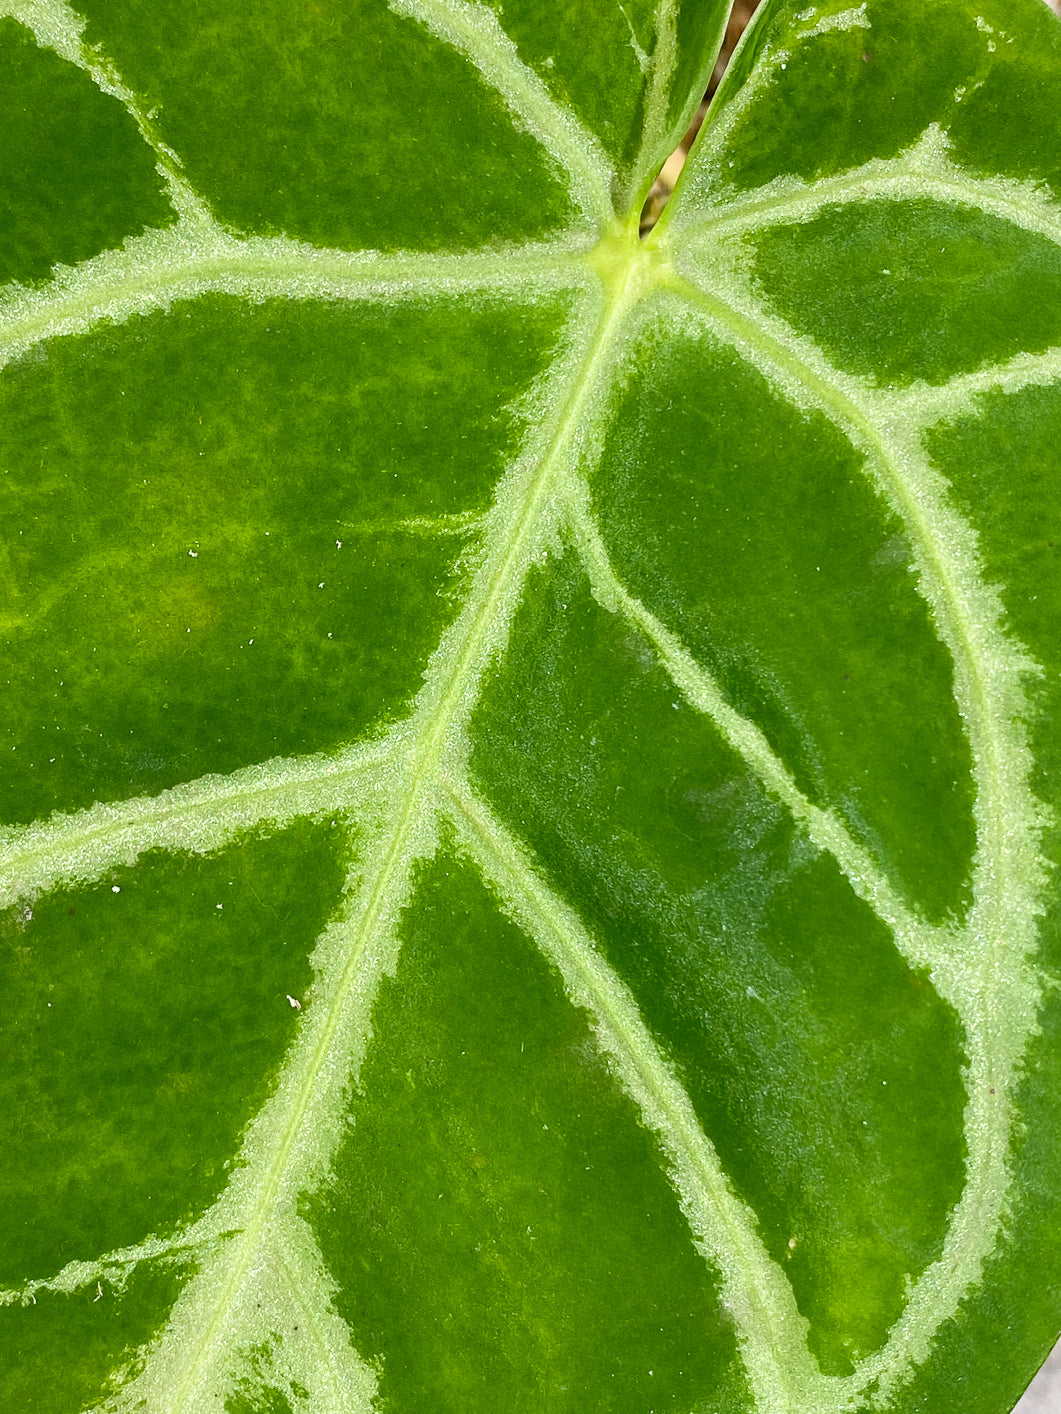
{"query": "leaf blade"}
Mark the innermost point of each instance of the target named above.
(823, 1326)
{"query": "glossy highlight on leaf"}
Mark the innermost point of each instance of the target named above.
(528, 838)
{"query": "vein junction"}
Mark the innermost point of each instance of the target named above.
(253, 1250)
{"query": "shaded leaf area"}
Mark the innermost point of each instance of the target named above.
(148, 1014)
(918, 290)
(97, 1331)
(819, 637)
(824, 1071)
(519, 1245)
(298, 123)
(219, 506)
(75, 175)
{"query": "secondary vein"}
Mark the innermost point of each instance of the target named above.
(702, 692)
(196, 817)
(193, 258)
(925, 169)
(771, 1332)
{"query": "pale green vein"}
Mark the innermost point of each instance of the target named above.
(989, 667)
(518, 531)
(644, 59)
(114, 1269)
(924, 170)
(197, 817)
(183, 262)
(458, 524)
(771, 1332)
(923, 404)
(700, 690)
(984, 969)
(239, 1296)
(330, 1338)
(472, 29)
(55, 25)
(855, 18)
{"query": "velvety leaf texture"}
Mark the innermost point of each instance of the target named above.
(531, 778)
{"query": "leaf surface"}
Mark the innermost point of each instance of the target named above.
(531, 754)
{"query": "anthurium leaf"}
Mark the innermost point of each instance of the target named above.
(530, 788)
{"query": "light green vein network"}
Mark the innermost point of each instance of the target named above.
(255, 1252)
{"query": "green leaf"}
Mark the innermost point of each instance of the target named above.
(531, 788)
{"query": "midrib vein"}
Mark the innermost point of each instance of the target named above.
(770, 1331)
(521, 522)
(310, 1317)
(382, 887)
